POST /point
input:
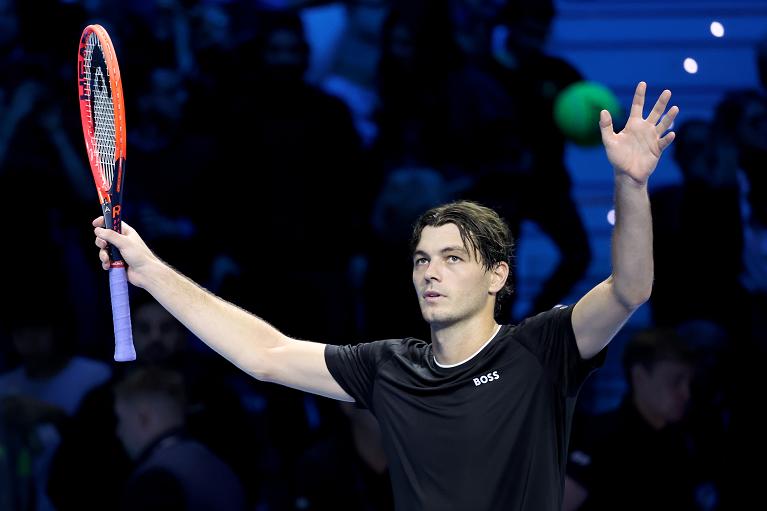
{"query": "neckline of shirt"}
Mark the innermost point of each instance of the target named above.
(449, 366)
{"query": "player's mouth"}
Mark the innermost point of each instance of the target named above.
(432, 296)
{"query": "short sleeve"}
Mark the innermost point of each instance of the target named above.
(550, 337)
(355, 367)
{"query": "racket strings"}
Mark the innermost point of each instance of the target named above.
(101, 110)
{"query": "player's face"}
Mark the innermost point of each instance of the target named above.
(450, 283)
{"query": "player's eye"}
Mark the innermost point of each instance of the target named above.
(453, 259)
(420, 261)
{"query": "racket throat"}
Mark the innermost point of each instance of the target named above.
(111, 214)
(112, 221)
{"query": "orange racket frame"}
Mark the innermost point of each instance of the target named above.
(102, 112)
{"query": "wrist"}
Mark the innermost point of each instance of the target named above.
(153, 273)
(622, 179)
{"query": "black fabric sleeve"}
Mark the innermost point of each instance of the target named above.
(355, 367)
(550, 337)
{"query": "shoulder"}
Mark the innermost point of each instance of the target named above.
(385, 346)
(79, 377)
(409, 346)
(408, 351)
(90, 369)
(376, 354)
(559, 315)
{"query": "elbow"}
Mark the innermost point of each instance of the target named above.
(632, 297)
(260, 373)
(258, 365)
(255, 366)
(634, 300)
(263, 364)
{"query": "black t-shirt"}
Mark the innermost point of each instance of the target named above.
(490, 433)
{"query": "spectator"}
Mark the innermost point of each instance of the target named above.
(706, 201)
(636, 457)
(535, 184)
(172, 471)
(215, 416)
(39, 396)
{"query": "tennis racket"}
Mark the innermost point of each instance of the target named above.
(102, 111)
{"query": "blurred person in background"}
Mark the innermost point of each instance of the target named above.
(39, 397)
(91, 466)
(741, 124)
(706, 201)
(171, 471)
(534, 184)
(637, 457)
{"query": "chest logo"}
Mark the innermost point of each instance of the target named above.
(486, 378)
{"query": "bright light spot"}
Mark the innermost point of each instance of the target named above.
(690, 65)
(611, 217)
(717, 29)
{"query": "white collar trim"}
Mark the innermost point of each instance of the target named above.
(448, 366)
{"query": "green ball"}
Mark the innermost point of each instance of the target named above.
(577, 108)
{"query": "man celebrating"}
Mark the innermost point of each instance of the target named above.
(480, 417)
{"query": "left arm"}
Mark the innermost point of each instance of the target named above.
(634, 154)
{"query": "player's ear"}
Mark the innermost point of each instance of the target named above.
(498, 276)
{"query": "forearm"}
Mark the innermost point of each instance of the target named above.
(234, 333)
(632, 257)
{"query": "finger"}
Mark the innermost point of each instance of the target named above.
(660, 106)
(110, 236)
(606, 125)
(125, 228)
(104, 258)
(667, 120)
(101, 243)
(664, 142)
(637, 105)
(98, 221)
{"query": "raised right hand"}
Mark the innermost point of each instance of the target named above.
(137, 256)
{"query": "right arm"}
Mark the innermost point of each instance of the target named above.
(239, 336)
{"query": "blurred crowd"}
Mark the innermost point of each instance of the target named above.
(294, 198)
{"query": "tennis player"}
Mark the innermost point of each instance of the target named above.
(478, 418)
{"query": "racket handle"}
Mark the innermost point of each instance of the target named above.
(118, 289)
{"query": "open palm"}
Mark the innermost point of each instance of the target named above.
(635, 151)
